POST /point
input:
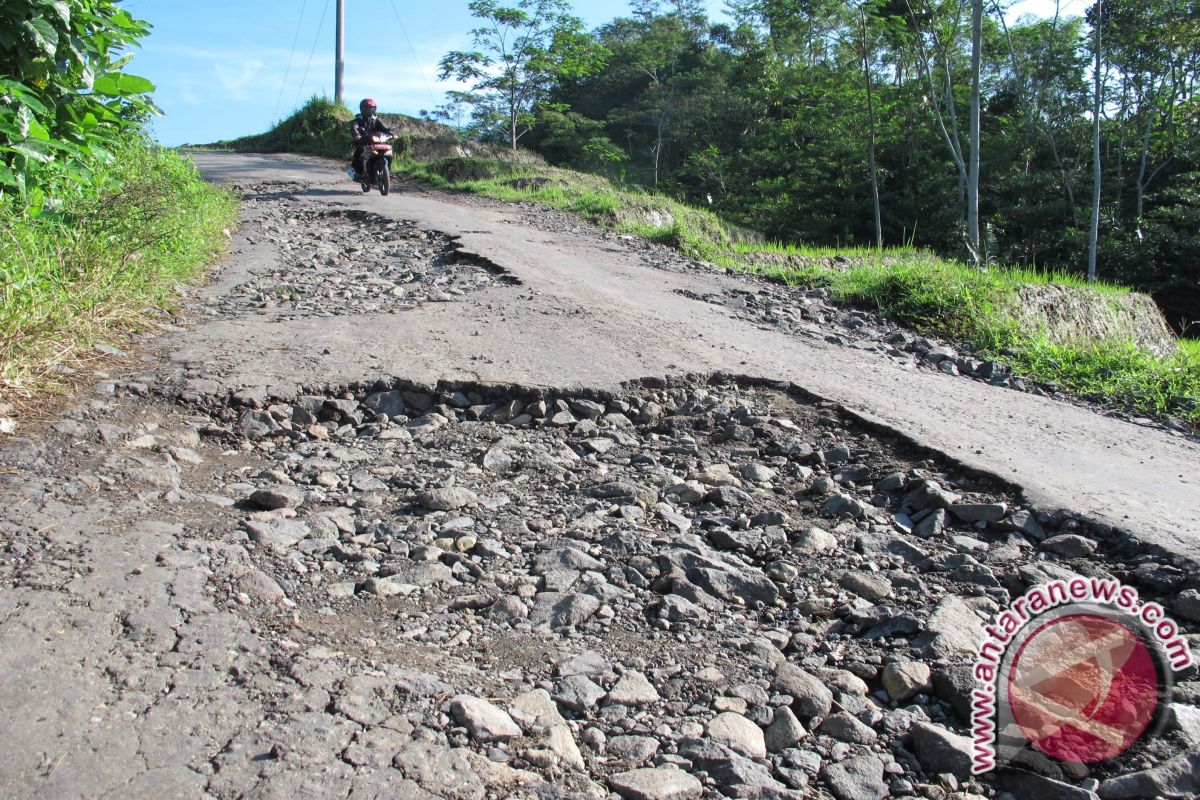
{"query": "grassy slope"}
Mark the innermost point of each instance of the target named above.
(931, 294)
(319, 128)
(106, 264)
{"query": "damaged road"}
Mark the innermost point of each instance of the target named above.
(431, 499)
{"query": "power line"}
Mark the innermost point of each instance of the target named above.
(411, 49)
(291, 55)
(316, 40)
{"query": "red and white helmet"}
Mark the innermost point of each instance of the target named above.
(368, 103)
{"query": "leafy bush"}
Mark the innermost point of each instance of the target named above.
(64, 99)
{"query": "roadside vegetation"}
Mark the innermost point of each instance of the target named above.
(98, 226)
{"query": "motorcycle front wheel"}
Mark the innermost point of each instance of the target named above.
(385, 180)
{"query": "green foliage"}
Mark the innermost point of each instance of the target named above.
(523, 49)
(1120, 374)
(766, 122)
(64, 97)
(106, 261)
(320, 127)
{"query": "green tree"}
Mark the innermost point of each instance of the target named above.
(64, 94)
(523, 50)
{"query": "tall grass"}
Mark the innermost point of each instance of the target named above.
(102, 262)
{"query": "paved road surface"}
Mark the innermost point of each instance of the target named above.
(599, 315)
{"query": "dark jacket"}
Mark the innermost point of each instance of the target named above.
(363, 129)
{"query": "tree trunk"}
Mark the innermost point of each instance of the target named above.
(1093, 238)
(512, 117)
(952, 141)
(1141, 178)
(973, 170)
(871, 135)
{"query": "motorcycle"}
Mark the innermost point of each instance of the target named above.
(377, 165)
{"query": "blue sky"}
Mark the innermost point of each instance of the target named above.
(225, 69)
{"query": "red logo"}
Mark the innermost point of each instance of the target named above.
(1083, 688)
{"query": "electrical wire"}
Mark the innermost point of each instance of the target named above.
(316, 41)
(287, 72)
(411, 49)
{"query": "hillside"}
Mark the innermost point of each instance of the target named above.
(321, 128)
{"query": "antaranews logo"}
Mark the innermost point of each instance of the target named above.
(1079, 669)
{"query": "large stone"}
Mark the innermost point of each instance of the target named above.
(1187, 605)
(1024, 784)
(875, 588)
(738, 734)
(279, 535)
(929, 494)
(952, 630)
(483, 721)
(1186, 720)
(280, 496)
(565, 558)
(979, 512)
(848, 728)
(859, 778)
(447, 499)
(634, 750)
(785, 731)
(941, 750)
(624, 492)
(687, 492)
(903, 680)
(421, 574)
(811, 698)
(749, 586)
(632, 690)
(559, 738)
(736, 775)
(663, 783)
(814, 540)
(578, 693)
(1179, 777)
(261, 587)
(589, 662)
(931, 526)
(844, 505)
(1069, 545)
(388, 587)
(390, 403)
(674, 608)
(257, 424)
(562, 610)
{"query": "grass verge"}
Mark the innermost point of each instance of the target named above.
(978, 309)
(103, 263)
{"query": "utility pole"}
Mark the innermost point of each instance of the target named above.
(1097, 105)
(339, 94)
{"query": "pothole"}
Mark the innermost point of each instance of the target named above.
(333, 263)
(696, 536)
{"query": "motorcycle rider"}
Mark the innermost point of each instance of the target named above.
(362, 128)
